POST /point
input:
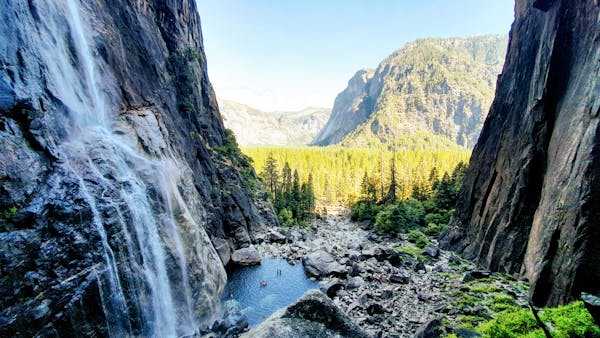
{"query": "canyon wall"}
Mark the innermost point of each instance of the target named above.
(530, 204)
(121, 194)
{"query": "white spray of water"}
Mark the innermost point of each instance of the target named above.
(115, 176)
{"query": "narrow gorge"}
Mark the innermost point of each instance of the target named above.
(128, 209)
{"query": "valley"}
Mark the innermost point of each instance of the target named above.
(388, 286)
(452, 190)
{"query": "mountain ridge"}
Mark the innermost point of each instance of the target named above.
(442, 86)
(254, 127)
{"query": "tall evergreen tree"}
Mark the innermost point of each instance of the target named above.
(368, 188)
(286, 179)
(270, 174)
(311, 194)
(447, 193)
(434, 178)
(391, 195)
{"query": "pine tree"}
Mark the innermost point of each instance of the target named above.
(368, 188)
(434, 178)
(446, 194)
(286, 178)
(294, 197)
(270, 174)
(391, 195)
(458, 175)
(311, 194)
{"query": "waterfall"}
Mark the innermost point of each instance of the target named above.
(156, 255)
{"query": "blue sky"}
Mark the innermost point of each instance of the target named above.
(290, 54)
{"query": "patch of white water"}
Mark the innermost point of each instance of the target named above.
(150, 239)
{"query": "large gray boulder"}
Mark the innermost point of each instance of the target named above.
(592, 304)
(313, 315)
(321, 263)
(246, 256)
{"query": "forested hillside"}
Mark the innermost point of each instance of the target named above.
(433, 86)
(337, 172)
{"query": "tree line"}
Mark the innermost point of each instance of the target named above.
(293, 200)
(428, 208)
(337, 173)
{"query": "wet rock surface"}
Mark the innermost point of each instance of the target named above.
(395, 300)
(71, 197)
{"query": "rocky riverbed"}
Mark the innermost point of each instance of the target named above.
(387, 285)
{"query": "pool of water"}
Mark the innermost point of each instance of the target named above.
(260, 301)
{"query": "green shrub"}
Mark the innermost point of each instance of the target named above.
(6, 217)
(417, 237)
(411, 250)
(488, 288)
(230, 145)
(400, 217)
(468, 322)
(364, 210)
(9, 213)
(303, 224)
(249, 180)
(503, 299)
(434, 229)
(567, 321)
(286, 218)
(435, 218)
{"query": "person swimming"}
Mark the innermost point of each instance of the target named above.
(263, 283)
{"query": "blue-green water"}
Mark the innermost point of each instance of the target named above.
(259, 302)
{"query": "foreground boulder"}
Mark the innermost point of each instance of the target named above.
(246, 256)
(592, 304)
(321, 263)
(430, 329)
(331, 287)
(313, 315)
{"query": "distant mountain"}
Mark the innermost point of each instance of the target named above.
(437, 88)
(253, 127)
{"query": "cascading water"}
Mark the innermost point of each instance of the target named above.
(155, 253)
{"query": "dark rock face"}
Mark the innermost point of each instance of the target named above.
(531, 200)
(115, 173)
(313, 315)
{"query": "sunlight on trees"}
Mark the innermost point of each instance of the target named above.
(338, 173)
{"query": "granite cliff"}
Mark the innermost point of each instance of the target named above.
(530, 203)
(121, 194)
(438, 87)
